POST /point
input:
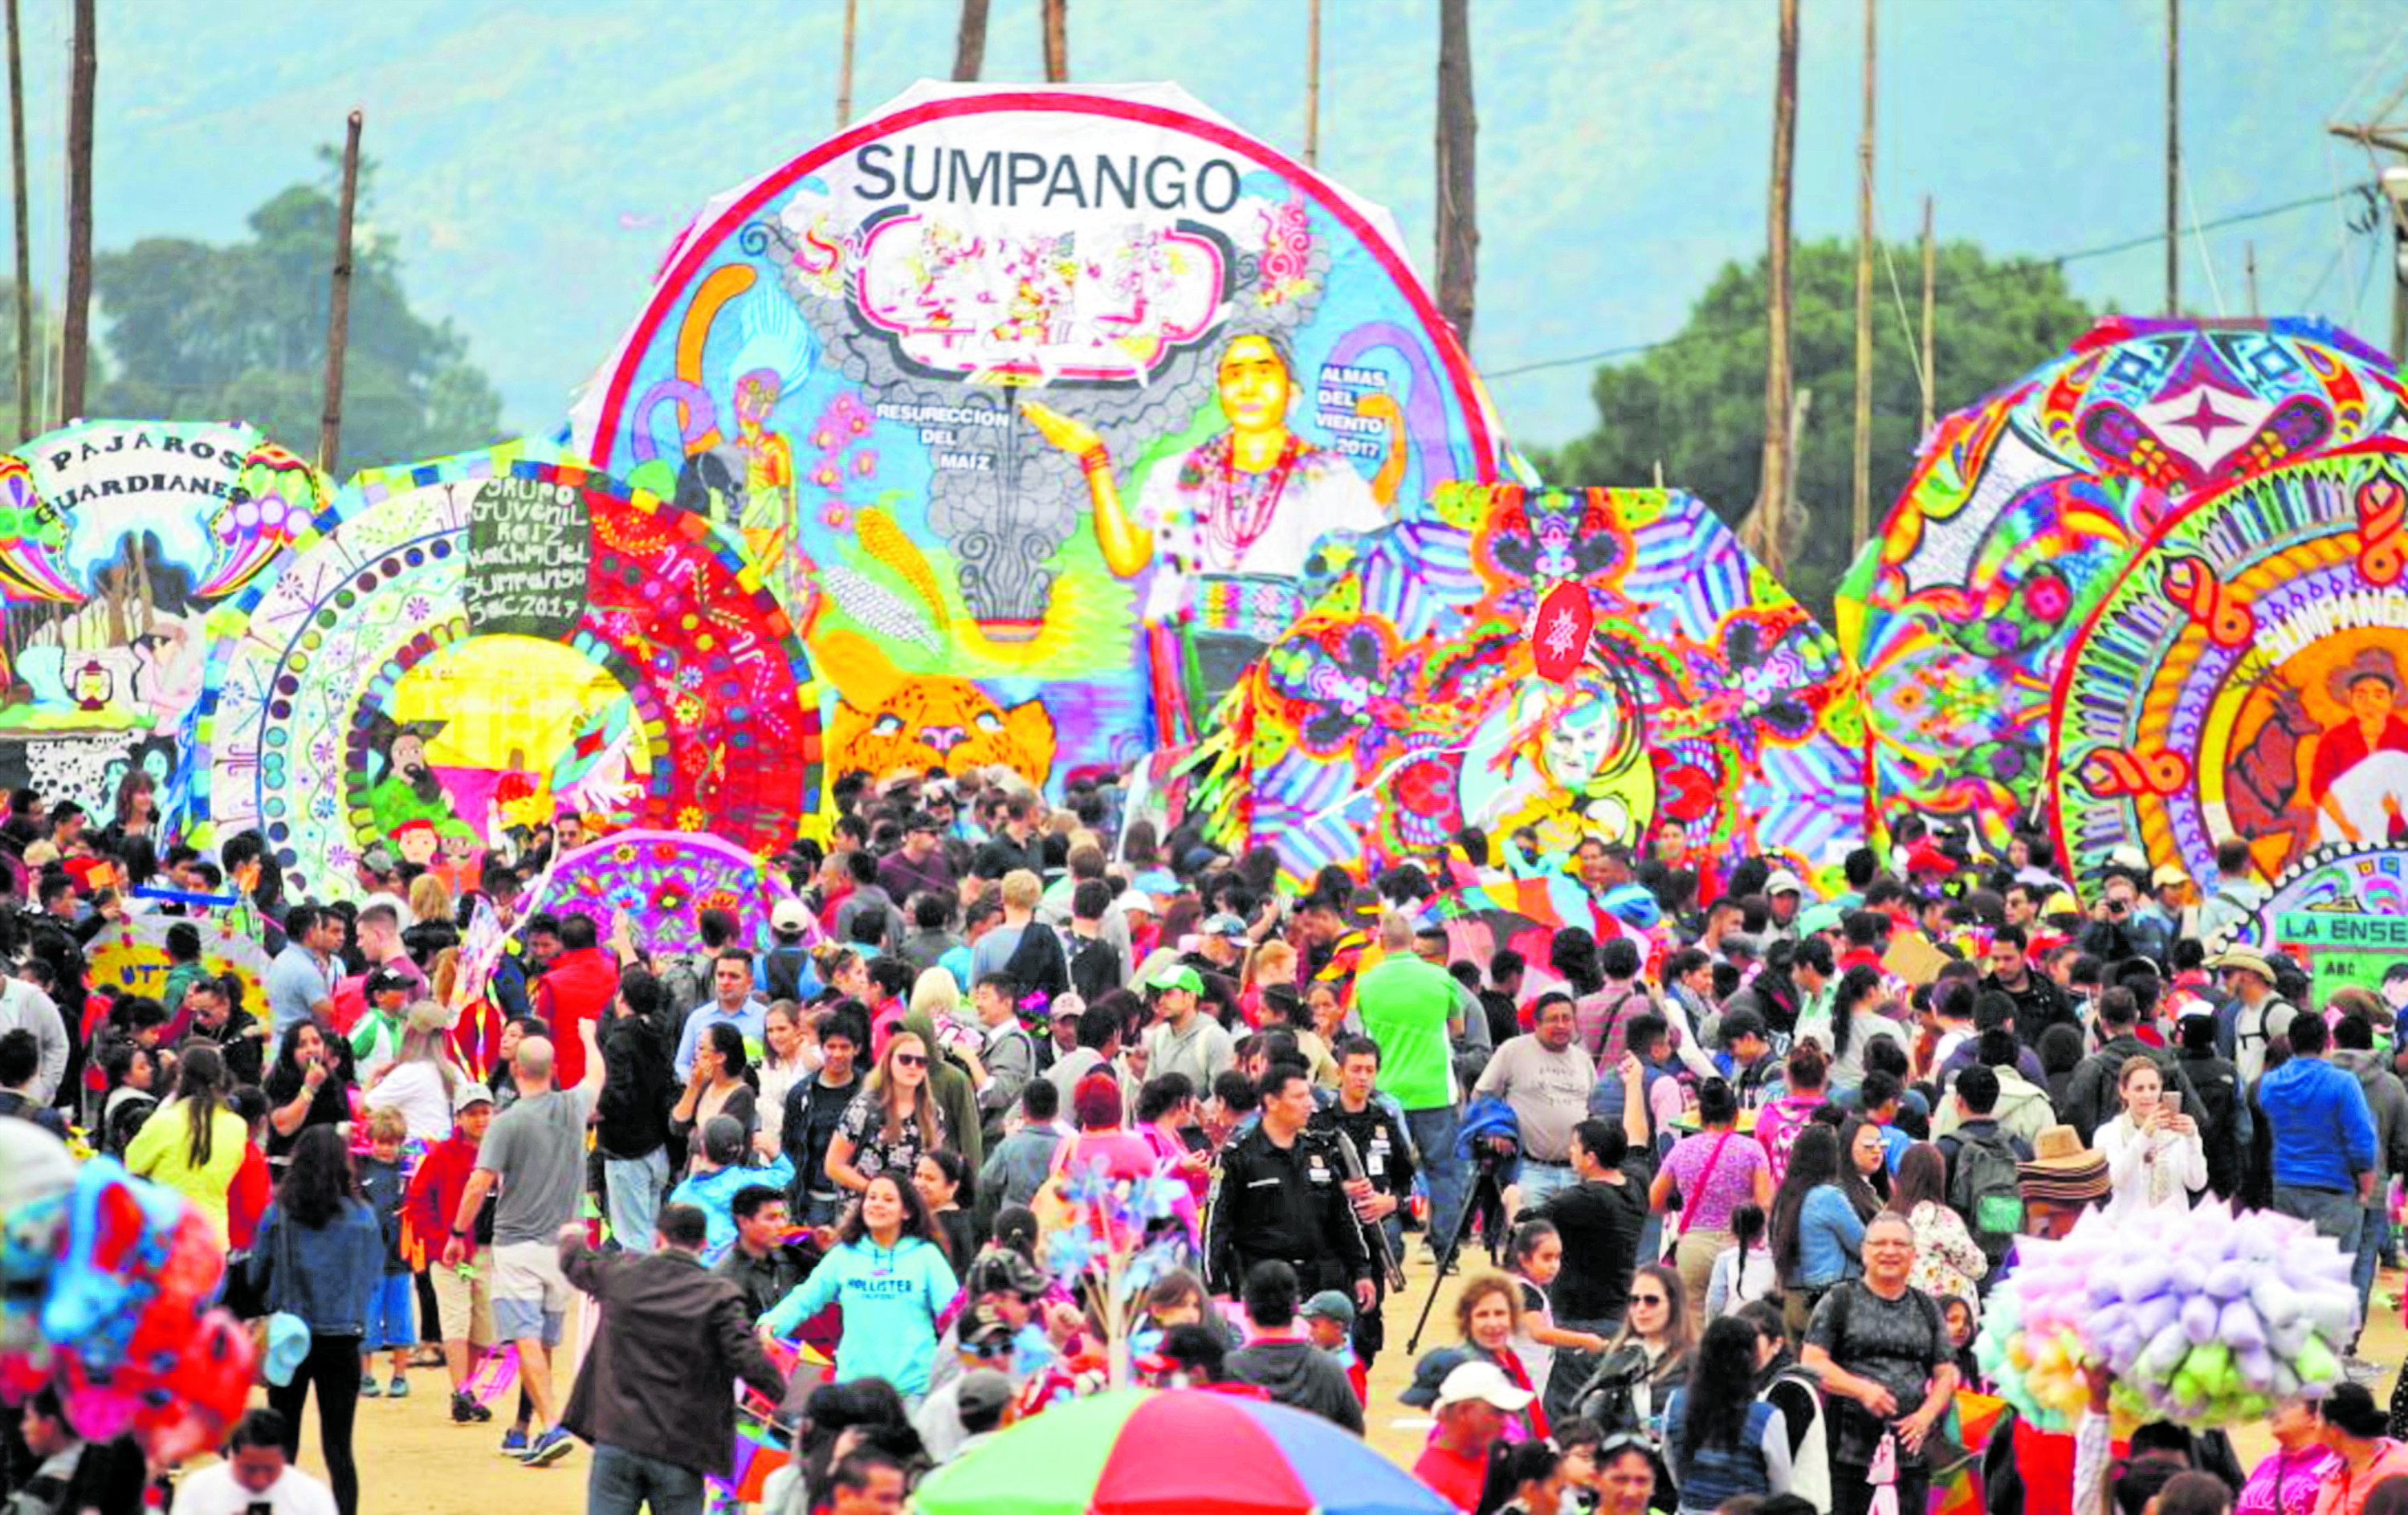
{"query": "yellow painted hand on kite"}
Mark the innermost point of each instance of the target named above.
(1076, 437)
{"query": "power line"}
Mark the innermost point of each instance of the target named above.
(2012, 269)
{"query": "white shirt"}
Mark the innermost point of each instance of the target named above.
(212, 1491)
(24, 1008)
(416, 1089)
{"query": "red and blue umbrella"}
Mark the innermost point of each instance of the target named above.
(1174, 1451)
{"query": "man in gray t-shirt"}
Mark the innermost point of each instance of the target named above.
(535, 1154)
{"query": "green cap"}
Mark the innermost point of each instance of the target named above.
(1818, 917)
(1177, 976)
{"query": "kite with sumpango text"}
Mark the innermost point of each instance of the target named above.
(2244, 676)
(1575, 663)
(2024, 507)
(1028, 404)
(458, 647)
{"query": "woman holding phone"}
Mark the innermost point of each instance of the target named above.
(2155, 1158)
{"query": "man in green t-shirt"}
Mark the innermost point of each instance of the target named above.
(1412, 1009)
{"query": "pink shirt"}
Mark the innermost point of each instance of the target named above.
(1707, 1197)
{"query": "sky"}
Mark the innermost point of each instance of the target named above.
(534, 160)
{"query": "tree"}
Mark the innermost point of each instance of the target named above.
(1695, 403)
(238, 333)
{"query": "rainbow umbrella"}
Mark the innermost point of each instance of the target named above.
(1174, 1451)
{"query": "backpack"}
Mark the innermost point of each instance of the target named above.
(1094, 967)
(1989, 1193)
(1037, 963)
(782, 972)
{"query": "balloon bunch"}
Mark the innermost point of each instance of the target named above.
(104, 1280)
(2203, 1324)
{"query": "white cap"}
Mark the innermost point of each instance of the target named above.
(1133, 899)
(1486, 1381)
(789, 917)
(1783, 882)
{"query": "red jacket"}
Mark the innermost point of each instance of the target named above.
(246, 1199)
(435, 1191)
(576, 989)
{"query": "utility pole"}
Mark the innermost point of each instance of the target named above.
(2249, 272)
(1311, 84)
(2380, 134)
(1860, 489)
(844, 68)
(1930, 268)
(1773, 490)
(75, 340)
(2174, 157)
(25, 234)
(1057, 41)
(338, 303)
(969, 43)
(1458, 132)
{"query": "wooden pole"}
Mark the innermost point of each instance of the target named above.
(1772, 491)
(1458, 132)
(1057, 41)
(74, 341)
(844, 68)
(2174, 157)
(1311, 84)
(25, 232)
(1860, 484)
(969, 43)
(338, 303)
(1930, 268)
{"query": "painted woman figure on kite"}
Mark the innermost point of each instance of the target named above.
(1566, 762)
(1227, 526)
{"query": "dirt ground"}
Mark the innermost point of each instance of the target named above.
(414, 1460)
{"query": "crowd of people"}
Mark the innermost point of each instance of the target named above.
(1726, 1164)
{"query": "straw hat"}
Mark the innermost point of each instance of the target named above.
(2062, 1171)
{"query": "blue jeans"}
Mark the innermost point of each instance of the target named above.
(2362, 1261)
(1540, 1179)
(2331, 1211)
(634, 1187)
(1450, 1177)
(621, 1482)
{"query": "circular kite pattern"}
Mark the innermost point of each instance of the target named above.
(488, 575)
(664, 880)
(2240, 678)
(2343, 878)
(2024, 507)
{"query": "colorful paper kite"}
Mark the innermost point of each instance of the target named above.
(664, 880)
(1029, 404)
(1408, 703)
(2242, 677)
(451, 636)
(131, 956)
(118, 540)
(2023, 509)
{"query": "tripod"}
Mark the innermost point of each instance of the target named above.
(1484, 1190)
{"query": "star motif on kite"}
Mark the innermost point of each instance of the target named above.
(1562, 633)
(2205, 418)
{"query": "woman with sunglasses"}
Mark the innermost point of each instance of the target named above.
(1628, 1478)
(1645, 1363)
(889, 1277)
(892, 1123)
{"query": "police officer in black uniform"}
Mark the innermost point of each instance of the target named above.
(1386, 1153)
(1279, 1193)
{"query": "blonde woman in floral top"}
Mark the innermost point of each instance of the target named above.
(1947, 1263)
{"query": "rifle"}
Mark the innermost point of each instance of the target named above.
(1375, 1236)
